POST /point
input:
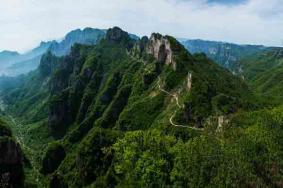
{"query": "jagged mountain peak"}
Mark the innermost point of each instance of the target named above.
(166, 49)
(116, 34)
(46, 43)
(87, 35)
(160, 47)
(85, 31)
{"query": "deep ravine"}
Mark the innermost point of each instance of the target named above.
(30, 154)
(28, 151)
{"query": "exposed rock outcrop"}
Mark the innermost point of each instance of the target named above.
(48, 64)
(116, 34)
(11, 161)
(11, 150)
(54, 155)
(160, 47)
(222, 121)
(4, 131)
(189, 81)
(58, 118)
(140, 47)
(61, 110)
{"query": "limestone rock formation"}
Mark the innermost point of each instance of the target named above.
(140, 47)
(160, 47)
(222, 121)
(189, 81)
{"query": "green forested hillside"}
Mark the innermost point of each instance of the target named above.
(264, 72)
(260, 66)
(144, 113)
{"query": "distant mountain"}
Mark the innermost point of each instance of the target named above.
(23, 67)
(87, 36)
(227, 55)
(24, 63)
(17, 63)
(260, 66)
(7, 57)
(39, 50)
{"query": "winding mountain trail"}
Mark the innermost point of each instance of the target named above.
(176, 97)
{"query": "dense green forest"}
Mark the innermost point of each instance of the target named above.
(131, 112)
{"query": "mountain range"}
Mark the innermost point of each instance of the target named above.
(228, 55)
(123, 111)
(14, 63)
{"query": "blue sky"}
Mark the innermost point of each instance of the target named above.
(24, 23)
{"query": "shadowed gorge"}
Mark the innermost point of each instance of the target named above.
(11, 159)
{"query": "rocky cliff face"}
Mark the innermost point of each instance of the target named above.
(160, 47)
(227, 55)
(54, 155)
(5, 131)
(66, 88)
(189, 81)
(12, 152)
(116, 34)
(48, 64)
(140, 47)
(11, 160)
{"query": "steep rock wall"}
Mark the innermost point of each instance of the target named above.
(160, 47)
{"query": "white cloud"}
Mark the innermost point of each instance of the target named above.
(24, 23)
